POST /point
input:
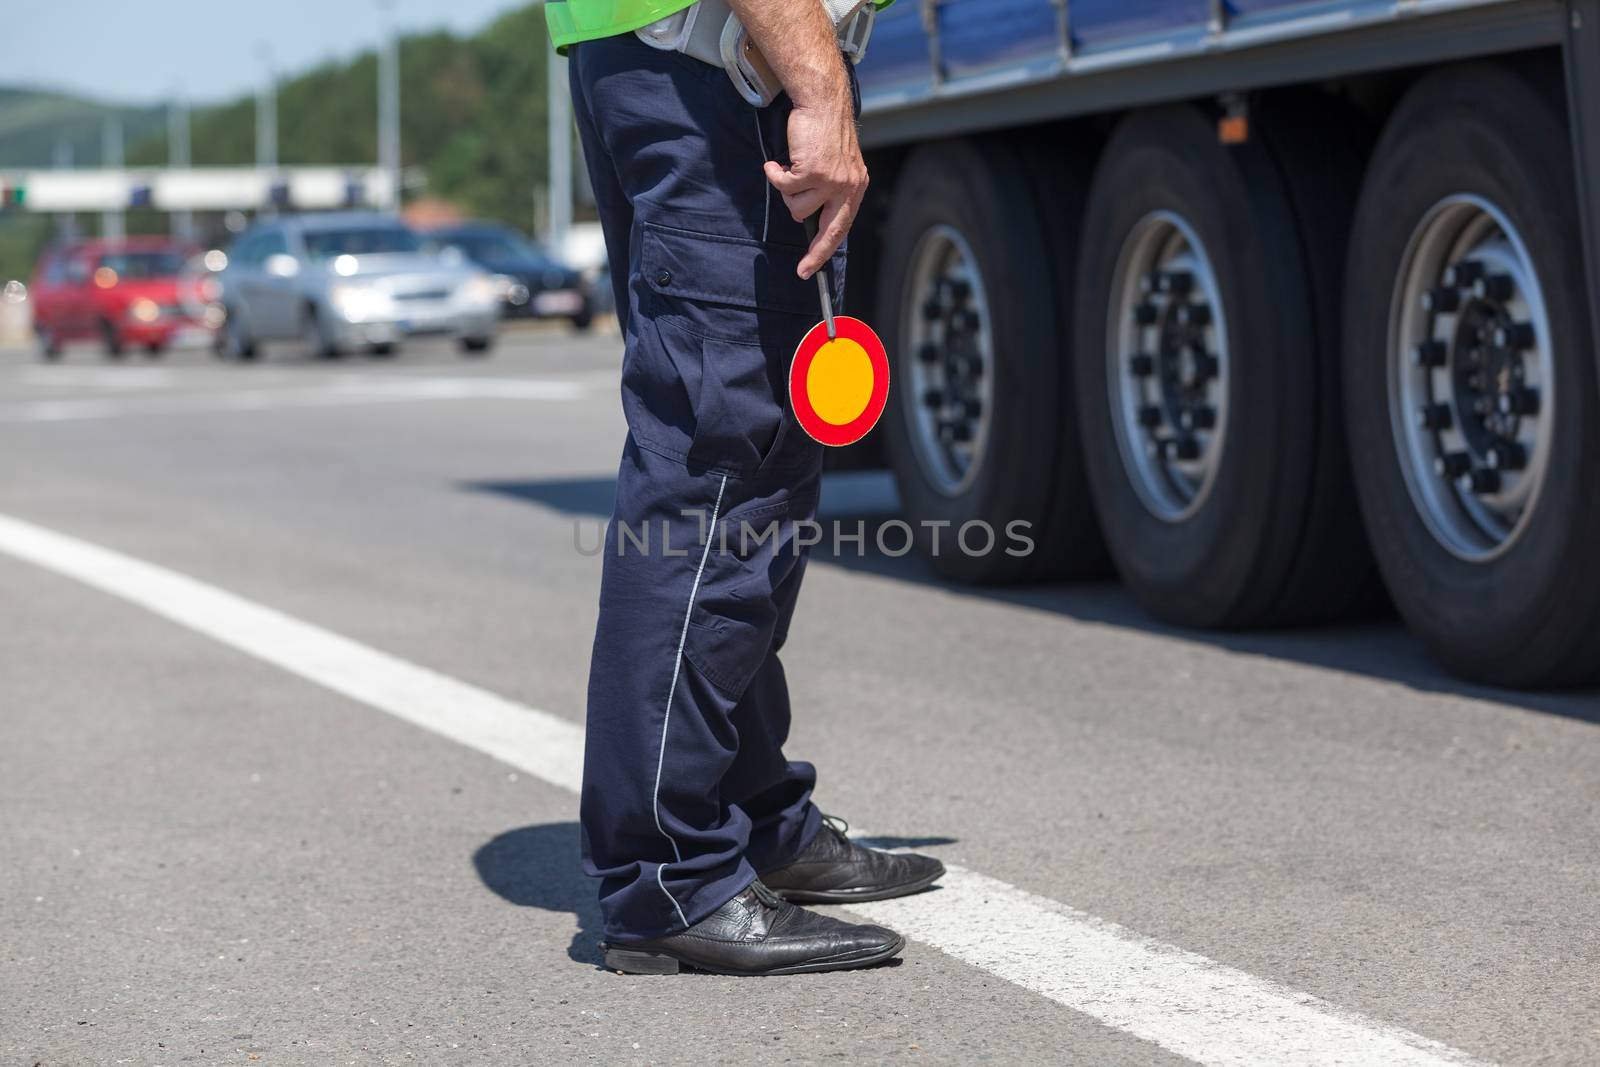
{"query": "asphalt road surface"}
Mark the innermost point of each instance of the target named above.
(291, 688)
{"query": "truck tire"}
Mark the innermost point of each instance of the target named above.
(1197, 371)
(1470, 375)
(1321, 144)
(1059, 170)
(975, 428)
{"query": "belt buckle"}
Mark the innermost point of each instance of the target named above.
(855, 32)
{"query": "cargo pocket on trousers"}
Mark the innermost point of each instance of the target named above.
(739, 417)
(728, 313)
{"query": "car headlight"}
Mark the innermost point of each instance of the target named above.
(484, 289)
(512, 291)
(144, 310)
(358, 303)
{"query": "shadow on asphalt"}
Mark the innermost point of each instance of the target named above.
(538, 867)
(1378, 649)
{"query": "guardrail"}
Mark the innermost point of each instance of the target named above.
(198, 189)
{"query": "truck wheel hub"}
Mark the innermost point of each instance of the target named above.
(1167, 356)
(948, 360)
(1471, 377)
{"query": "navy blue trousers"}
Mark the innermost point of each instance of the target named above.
(687, 793)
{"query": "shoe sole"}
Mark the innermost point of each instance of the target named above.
(858, 896)
(634, 961)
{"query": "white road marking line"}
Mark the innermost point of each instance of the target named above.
(1186, 1003)
(99, 377)
(542, 744)
(1183, 1002)
(330, 395)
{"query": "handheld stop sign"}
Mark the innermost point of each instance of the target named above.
(839, 380)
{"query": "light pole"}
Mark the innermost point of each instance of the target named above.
(558, 96)
(267, 113)
(178, 158)
(389, 100)
(112, 226)
(62, 158)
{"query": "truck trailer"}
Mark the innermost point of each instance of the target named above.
(1282, 309)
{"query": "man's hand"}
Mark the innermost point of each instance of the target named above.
(825, 172)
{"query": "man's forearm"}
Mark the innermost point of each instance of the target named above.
(798, 41)
(825, 175)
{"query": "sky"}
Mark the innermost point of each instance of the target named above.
(208, 50)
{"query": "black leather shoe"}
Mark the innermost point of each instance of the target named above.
(835, 870)
(757, 933)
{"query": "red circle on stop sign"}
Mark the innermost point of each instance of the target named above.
(839, 386)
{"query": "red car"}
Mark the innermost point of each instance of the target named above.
(139, 292)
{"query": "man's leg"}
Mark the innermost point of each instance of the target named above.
(773, 791)
(683, 686)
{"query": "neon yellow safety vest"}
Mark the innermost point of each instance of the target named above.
(571, 21)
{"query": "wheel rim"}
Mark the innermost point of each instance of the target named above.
(947, 361)
(1167, 366)
(1471, 378)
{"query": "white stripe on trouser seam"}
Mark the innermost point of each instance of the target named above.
(766, 187)
(666, 719)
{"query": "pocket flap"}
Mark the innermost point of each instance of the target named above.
(727, 270)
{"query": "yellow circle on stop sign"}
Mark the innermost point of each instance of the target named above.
(839, 381)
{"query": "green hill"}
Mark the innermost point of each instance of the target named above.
(34, 122)
(472, 121)
(472, 116)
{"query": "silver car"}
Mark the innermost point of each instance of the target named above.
(345, 281)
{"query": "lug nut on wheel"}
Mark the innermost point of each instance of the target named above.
(1430, 354)
(1520, 402)
(1434, 417)
(1508, 456)
(1479, 480)
(956, 433)
(1176, 283)
(1463, 274)
(1516, 336)
(1452, 465)
(1445, 300)
(1496, 287)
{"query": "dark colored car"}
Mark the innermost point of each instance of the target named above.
(139, 292)
(536, 285)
